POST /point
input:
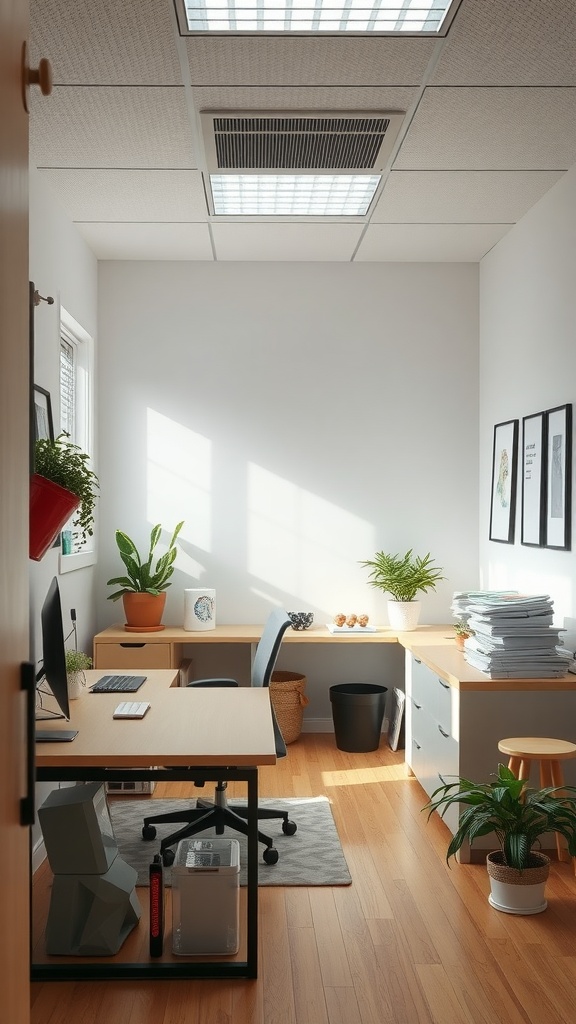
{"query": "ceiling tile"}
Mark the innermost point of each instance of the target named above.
(129, 195)
(293, 98)
(148, 241)
(492, 129)
(97, 127)
(460, 197)
(510, 42)
(106, 42)
(429, 243)
(286, 242)
(304, 60)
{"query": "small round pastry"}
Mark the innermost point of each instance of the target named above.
(362, 620)
(351, 620)
(339, 619)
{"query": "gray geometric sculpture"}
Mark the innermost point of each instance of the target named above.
(77, 830)
(91, 915)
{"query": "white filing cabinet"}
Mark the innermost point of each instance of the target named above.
(432, 730)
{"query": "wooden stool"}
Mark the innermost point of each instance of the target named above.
(522, 750)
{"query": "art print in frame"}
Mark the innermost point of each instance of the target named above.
(533, 479)
(557, 533)
(504, 473)
(43, 424)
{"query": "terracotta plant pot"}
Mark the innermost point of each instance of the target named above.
(143, 612)
(50, 508)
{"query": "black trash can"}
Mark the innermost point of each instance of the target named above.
(358, 712)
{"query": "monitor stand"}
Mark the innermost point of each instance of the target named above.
(55, 735)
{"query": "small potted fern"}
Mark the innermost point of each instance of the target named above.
(143, 589)
(76, 664)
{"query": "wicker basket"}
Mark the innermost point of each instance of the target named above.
(288, 700)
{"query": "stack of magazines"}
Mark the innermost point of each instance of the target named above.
(513, 636)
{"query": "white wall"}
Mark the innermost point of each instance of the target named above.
(528, 364)
(298, 418)
(61, 265)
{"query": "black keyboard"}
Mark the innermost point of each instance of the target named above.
(122, 684)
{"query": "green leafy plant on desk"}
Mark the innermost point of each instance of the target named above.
(403, 577)
(142, 577)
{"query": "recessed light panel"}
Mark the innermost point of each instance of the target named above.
(384, 17)
(293, 195)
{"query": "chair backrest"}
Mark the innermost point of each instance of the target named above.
(268, 647)
(265, 659)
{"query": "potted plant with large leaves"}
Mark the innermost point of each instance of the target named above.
(403, 577)
(62, 483)
(519, 816)
(143, 590)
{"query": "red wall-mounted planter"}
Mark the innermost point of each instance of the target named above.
(50, 508)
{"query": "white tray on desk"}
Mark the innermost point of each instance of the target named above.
(333, 628)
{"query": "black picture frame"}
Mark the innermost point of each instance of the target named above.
(534, 457)
(558, 513)
(504, 476)
(43, 423)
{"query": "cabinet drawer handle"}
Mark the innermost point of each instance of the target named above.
(446, 735)
(417, 661)
(130, 646)
(417, 745)
(417, 706)
(443, 684)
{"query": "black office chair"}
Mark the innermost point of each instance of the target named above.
(217, 814)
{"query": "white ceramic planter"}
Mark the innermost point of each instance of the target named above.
(76, 680)
(524, 894)
(403, 615)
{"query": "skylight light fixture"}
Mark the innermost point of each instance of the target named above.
(293, 195)
(381, 17)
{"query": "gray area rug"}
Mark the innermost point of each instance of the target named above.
(312, 856)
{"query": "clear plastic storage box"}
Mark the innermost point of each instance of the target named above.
(205, 896)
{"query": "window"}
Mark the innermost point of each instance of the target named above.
(76, 419)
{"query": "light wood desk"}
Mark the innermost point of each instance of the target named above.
(187, 735)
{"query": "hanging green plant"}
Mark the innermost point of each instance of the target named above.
(66, 464)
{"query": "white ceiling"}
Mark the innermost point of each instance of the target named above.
(489, 127)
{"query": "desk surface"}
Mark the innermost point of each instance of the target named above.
(184, 726)
(244, 634)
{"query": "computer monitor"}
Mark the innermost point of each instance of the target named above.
(53, 669)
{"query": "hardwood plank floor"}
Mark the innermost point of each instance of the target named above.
(411, 941)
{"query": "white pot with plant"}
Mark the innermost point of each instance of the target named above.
(143, 589)
(403, 577)
(518, 816)
(76, 664)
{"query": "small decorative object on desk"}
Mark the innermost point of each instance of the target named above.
(301, 620)
(199, 609)
(350, 624)
(76, 662)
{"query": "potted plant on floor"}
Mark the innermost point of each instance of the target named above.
(403, 577)
(76, 664)
(62, 483)
(519, 816)
(143, 590)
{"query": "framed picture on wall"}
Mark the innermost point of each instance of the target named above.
(557, 533)
(533, 478)
(43, 425)
(504, 473)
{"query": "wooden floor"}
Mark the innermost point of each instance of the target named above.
(411, 941)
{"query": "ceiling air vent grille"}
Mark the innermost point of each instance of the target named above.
(302, 142)
(295, 143)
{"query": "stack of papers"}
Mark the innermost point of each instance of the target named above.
(513, 636)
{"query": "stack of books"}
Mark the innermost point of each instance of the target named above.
(513, 636)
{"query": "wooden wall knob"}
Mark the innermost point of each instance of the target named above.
(42, 76)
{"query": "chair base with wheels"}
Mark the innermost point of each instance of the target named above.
(217, 814)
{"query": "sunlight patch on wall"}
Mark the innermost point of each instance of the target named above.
(179, 482)
(299, 542)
